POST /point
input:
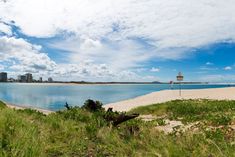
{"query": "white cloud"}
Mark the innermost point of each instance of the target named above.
(96, 72)
(183, 24)
(209, 63)
(89, 44)
(119, 55)
(113, 36)
(227, 68)
(154, 69)
(5, 29)
(139, 70)
(2, 67)
(22, 56)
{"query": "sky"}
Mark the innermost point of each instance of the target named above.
(123, 40)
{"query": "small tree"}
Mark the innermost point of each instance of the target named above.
(92, 105)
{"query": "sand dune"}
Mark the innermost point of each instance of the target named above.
(46, 112)
(168, 95)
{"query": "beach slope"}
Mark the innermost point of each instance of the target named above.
(13, 106)
(168, 95)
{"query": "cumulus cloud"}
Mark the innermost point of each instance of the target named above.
(117, 36)
(23, 56)
(154, 69)
(175, 24)
(119, 55)
(227, 68)
(209, 63)
(5, 29)
(96, 72)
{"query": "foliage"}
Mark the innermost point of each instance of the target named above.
(92, 105)
(161, 121)
(79, 132)
(2, 105)
(211, 111)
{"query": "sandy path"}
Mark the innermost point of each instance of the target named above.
(168, 95)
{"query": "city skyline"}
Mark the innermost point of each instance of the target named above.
(26, 78)
(118, 40)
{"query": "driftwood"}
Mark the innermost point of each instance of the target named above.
(115, 118)
(67, 106)
(118, 118)
(123, 117)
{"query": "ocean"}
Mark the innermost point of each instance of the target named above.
(53, 97)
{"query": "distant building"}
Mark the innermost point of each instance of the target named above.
(3, 77)
(22, 78)
(29, 77)
(11, 80)
(50, 79)
(40, 79)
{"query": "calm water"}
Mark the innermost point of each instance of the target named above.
(53, 97)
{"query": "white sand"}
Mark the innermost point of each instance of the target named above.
(168, 95)
(46, 112)
(160, 97)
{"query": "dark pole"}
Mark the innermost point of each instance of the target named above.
(180, 88)
(179, 78)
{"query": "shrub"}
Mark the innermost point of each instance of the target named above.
(92, 105)
(2, 105)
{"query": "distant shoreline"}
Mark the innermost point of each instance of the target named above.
(114, 83)
(36, 83)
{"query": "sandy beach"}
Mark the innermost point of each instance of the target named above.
(13, 106)
(160, 97)
(168, 95)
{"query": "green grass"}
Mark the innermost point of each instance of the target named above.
(77, 132)
(210, 111)
(2, 105)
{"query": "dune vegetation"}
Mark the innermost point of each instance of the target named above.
(206, 129)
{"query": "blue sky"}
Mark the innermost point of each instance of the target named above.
(125, 40)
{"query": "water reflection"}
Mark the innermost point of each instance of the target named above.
(53, 97)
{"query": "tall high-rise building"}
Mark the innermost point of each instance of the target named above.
(50, 79)
(40, 79)
(29, 77)
(3, 77)
(22, 78)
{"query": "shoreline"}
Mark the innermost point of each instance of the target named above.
(40, 84)
(227, 93)
(72, 83)
(17, 107)
(75, 84)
